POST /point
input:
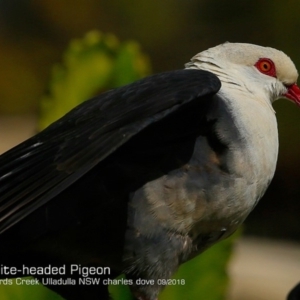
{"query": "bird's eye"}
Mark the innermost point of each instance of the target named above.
(266, 66)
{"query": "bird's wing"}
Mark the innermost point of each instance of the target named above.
(40, 168)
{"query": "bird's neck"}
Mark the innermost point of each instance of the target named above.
(253, 116)
(255, 152)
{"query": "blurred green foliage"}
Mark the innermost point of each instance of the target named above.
(91, 65)
(26, 292)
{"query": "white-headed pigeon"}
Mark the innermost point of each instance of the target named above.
(144, 177)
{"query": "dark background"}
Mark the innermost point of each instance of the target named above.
(34, 34)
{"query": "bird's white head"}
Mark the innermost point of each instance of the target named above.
(265, 72)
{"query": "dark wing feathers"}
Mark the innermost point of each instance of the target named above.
(43, 166)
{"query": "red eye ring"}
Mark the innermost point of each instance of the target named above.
(266, 66)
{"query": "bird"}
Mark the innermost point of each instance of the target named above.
(144, 177)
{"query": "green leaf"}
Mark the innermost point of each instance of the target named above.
(12, 289)
(91, 65)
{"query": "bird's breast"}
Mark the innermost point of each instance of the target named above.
(249, 129)
(207, 198)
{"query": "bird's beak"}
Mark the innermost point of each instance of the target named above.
(293, 93)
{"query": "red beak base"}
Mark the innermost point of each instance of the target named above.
(293, 93)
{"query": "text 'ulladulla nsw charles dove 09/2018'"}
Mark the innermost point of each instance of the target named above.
(144, 177)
